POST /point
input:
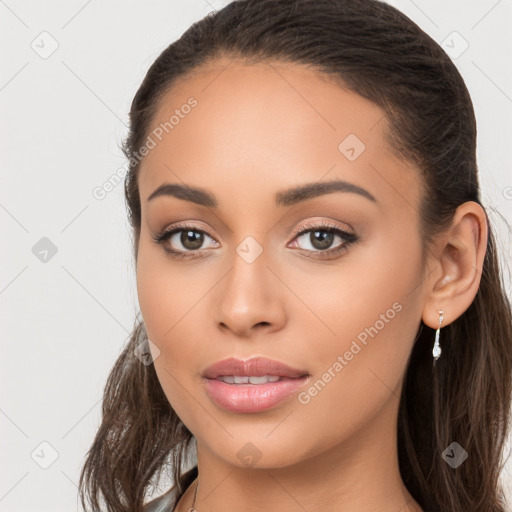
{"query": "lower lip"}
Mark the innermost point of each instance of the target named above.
(251, 397)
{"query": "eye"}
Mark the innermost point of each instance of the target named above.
(182, 241)
(319, 238)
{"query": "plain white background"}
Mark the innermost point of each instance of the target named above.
(65, 320)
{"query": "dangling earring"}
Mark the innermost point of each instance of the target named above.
(436, 352)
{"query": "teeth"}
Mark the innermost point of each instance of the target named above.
(238, 379)
(264, 379)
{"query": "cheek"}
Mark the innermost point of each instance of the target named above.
(171, 298)
(371, 285)
(370, 311)
(167, 291)
(164, 301)
(358, 376)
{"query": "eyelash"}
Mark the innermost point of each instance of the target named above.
(348, 238)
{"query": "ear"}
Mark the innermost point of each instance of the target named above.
(456, 268)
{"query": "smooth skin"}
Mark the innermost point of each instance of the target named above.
(259, 129)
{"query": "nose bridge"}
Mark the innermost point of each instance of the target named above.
(248, 296)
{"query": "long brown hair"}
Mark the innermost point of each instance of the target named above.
(379, 53)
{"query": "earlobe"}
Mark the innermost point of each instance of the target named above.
(458, 266)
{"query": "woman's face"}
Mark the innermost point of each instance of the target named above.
(343, 309)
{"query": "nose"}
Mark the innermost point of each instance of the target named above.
(250, 299)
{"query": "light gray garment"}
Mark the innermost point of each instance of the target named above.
(162, 503)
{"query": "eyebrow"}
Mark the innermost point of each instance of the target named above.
(288, 197)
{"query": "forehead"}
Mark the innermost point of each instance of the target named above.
(271, 123)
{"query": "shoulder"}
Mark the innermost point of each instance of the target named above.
(162, 503)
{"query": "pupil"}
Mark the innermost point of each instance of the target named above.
(191, 239)
(321, 239)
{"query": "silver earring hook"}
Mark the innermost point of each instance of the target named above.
(436, 351)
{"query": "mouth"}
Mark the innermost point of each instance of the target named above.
(253, 379)
(251, 386)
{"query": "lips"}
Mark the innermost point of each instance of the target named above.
(252, 386)
(255, 367)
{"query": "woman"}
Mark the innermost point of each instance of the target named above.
(324, 323)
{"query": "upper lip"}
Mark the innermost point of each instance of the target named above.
(256, 367)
